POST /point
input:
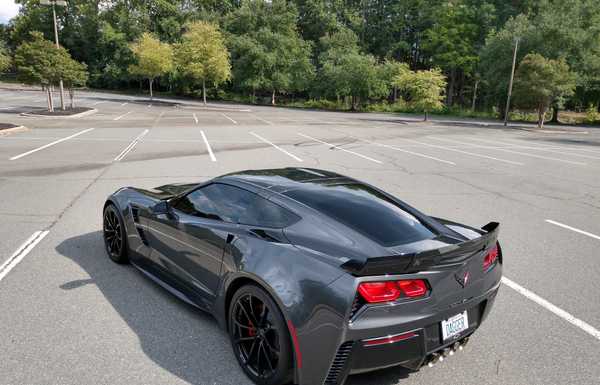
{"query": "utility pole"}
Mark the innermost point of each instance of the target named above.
(54, 3)
(510, 84)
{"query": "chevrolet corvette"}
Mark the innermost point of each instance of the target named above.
(315, 276)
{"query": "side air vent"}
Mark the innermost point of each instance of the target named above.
(336, 372)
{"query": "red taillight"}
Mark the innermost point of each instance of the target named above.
(491, 257)
(387, 291)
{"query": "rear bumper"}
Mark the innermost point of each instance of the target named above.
(425, 339)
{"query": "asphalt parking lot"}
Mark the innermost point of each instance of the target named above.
(70, 316)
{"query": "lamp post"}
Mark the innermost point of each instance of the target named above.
(54, 3)
(510, 84)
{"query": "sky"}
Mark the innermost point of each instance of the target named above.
(8, 9)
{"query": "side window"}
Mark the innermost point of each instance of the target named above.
(234, 205)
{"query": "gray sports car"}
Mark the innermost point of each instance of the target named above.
(314, 275)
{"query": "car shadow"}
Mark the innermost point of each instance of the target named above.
(178, 337)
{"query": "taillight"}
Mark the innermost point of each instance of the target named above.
(386, 291)
(491, 257)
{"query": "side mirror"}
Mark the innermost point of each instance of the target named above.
(161, 207)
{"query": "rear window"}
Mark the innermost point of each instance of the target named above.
(366, 211)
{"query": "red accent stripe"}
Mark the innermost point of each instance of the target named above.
(389, 340)
(295, 343)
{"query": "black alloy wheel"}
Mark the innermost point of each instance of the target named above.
(114, 235)
(260, 337)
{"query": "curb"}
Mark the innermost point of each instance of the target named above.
(79, 115)
(8, 131)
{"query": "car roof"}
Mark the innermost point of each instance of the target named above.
(283, 179)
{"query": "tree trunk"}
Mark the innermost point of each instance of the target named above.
(50, 103)
(554, 114)
(49, 98)
(151, 95)
(425, 118)
(541, 113)
(72, 97)
(273, 98)
(204, 91)
(450, 95)
(395, 94)
(353, 103)
(474, 95)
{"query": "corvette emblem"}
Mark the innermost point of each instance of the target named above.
(462, 280)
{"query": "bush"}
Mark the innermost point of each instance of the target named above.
(592, 115)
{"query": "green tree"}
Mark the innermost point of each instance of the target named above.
(4, 58)
(539, 82)
(153, 58)
(74, 74)
(267, 50)
(454, 40)
(39, 62)
(202, 55)
(392, 69)
(425, 89)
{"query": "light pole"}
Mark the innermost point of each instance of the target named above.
(54, 3)
(510, 84)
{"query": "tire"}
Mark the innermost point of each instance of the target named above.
(113, 231)
(263, 351)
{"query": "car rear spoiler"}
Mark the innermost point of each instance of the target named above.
(423, 260)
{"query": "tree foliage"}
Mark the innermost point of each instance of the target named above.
(424, 88)
(202, 55)
(290, 47)
(5, 60)
(153, 58)
(539, 82)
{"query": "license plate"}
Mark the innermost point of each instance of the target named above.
(455, 325)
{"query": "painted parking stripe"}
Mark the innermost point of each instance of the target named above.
(552, 308)
(554, 150)
(233, 121)
(276, 146)
(124, 104)
(568, 148)
(341, 149)
(263, 120)
(195, 118)
(50, 144)
(122, 116)
(210, 152)
(131, 145)
(495, 148)
(21, 252)
(466, 152)
(573, 229)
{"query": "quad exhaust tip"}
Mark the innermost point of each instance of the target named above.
(439, 356)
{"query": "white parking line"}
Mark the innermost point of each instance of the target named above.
(555, 147)
(124, 104)
(495, 148)
(553, 308)
(276, 146)
(210, 152)
(131, 145)
(21, 252)
(122, 116)
(195, 118)
(341, 149)
(553, 150)
(466, 152)
(263, 120)
(573, 229)
(100, 102)
(50, 144)
(234, 122)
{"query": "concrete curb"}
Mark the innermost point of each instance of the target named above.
(79, 115)
(8, 131)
